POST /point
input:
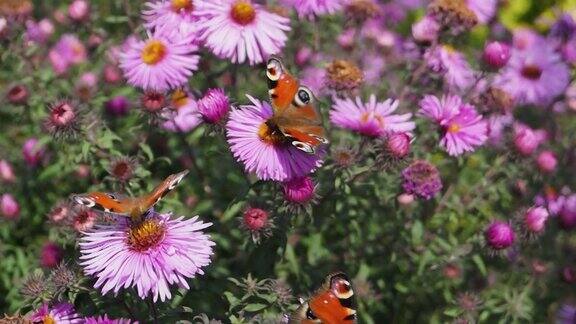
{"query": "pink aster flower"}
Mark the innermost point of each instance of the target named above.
(106, 320)
(535, 73)
(241, 30)
(372, 118)
(185, 116)
(39, 32)
(452, 64)
(254, 144)
(172, 17)
(159, 62)
(462, 127)
(59, 313)
(312, 8)
(68, 51)
(149, 255)
(484, 9)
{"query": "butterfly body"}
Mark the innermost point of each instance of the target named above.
(333, 303)
(295, 118)
(132, 207)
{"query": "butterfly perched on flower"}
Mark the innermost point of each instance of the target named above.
(295, 118)
(333, 303)
(133, 207)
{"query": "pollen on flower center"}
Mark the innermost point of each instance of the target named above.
(532, 72)
(243, 12)
(179, 98)
(153, 52)
(185, 5)
(453, 128)
(145, 235)
(48, 319)
(269, 135)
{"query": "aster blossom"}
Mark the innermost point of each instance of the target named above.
(255, 145)
(446, 60)
(172, 17)
(106, 320)
(312, 8)
(463, 129)
(483, 9)
(59, 313)
(149, 255)
(373, 118)
(184, 115)
(242, 31)
(159, 62)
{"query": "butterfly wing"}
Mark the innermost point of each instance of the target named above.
(161, 190)
(105, 202)
(332, 304)
(294, 110)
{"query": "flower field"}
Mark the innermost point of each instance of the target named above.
(287, 161)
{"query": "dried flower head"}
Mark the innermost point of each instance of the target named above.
(468, 303)
(361, 10)
(343, 75)
(282, 291)
(453, 15)
(15, 319)
(344, 156)
(36, 286)
(63, 119)
(123, 168)
(62, 277)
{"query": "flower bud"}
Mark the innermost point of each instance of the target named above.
(79, 10)
(9, 206)
(6, 172)
(255, 219)
(398, 145)
(426, 30)
(299, 190)
(496, 54)
(111, 74)
(526, 141)
(535, 219)
(117, 106)
(213, 106)
(32, 152)
(51, 255)
(547, 161)
(499, 235)
(17, 95)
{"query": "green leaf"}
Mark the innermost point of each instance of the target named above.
(480, 264)
(255, 307)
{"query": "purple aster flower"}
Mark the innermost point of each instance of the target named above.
(59, 313)
(535, 73)
(452, 64)
(566, 314)
(39, 32)
(421, 179)
(425, 30)
(105, 320)
(484, 9)
(496, 54)
(526, 139)
(149, 255)
(312, 8)
(184, 115)
(462, 127)
(213, 106)
(496, 125)
(313, 77)
(159, 62)
(567, 213)
(373, 119)
(177, 18)
(68, 51)
(241, 30)
(254, 144)
(499, 235)
(535, 219)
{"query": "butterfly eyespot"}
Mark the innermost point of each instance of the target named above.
(112, 196)
(273, 69)
(86, 201)
(303, 147)
(310, 315)
(303, 97)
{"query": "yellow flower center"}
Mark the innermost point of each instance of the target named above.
(453, 128)
(146, 234)
(153, 52)
(48, 319)
(243, 12)
(270, 135)
(185, 5)
(179, 98)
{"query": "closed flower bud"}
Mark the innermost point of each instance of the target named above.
(153, 101)
(32, 152)
(526, 141)
(257, 222)
(299, 190)
(51, 255)
(398, 145)
(117, 106)
(496, 54)
(405, 199)
(9, 206)
(17, 95)
(499, 235)
(547, 161)
(213, 106)
(535, 219)
(426, 30)
(79, 10)
(6, 172)
(111, 74)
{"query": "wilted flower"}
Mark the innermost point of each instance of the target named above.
(261, 150)
(59, 313)
(213, 106)
(344, 156)
(535, 219)
(342, 75)
(257, 221)
(160, 62)
(499, 235)
(241, 30)
(9, 207)
(35, 286)
(63, 120)
(547, 161)
(51, 255)
(373, 119)
(454, 15)
(16, 8)
(6, 172)
(148, 255)
(79, 10)
(17, 94)
(496, 54)
(117, 106)
(361, 10)
(62, 277)
(496, 100)
(33, 152)
(123, 168)
(422, 179)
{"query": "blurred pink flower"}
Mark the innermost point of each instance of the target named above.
(9, 206)
(535, 219)
(241, 31)
(425, 30)
(526, 139)
(373, 119)
(484, 9)
(184, 116)
(6, 172)
(51, 255)
(499, 235)
(547, 161)
(79, 10)
(159, 62)
(458, 74)
(496, 54)
(567, 213)
(255, 146)
(60, 313)
(33, 152)
(299, 190)
(149, 255)
(463, 129)
(177, 18)
(68, 51)
(398, 145)
(117, 106)
(496, 125)
(313, 8)
(39, 32)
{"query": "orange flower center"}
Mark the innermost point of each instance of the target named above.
(243, 12)
(48, 319)
(179, 98)
(532, 72)
(153, 52)
(270, 135)
(185, 5)
(146, 234)
(453, 128)
(367, 116)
